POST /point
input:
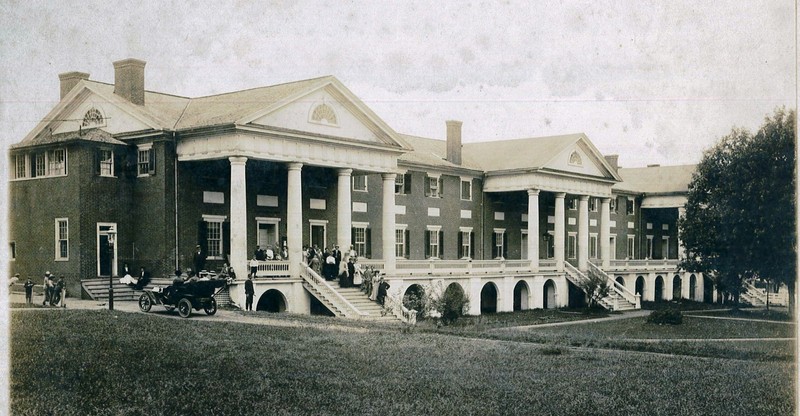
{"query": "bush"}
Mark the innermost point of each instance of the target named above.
(451, 305)
(665, 316)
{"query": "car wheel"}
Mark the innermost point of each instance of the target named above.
(211, 307)
(145, 303)
(184, 307)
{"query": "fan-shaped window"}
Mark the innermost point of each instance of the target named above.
(93, 117)
(323, 113)
(575, 159)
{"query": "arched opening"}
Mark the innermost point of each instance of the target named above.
(620, 280)
(521, 296)
(272, 301)
(414, 298)
(676, 287)
(489, 298)
(639, 289)
(692, 287)
(659, 295)
(549, 294)
(708, 290)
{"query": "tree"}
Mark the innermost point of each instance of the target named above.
(740, 213)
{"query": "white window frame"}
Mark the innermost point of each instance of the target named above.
(356, 185)
(40, 164)
(649, 249)
(267, 221)
(665, 247)
(630, 250)
(20, 170)
(593, 249)
(630, 207)
(612, 205)
(433, 241)
(108, 163)
(592, 204)
(54, 166)
(360, 240)
(143, 159)
(499, 236)
(433, 186)
(466, 241)
(219, 220)
(399, 184)
(400, 241)
(467, 181)
(61, 239)
(572, 245)
(612, 247)
(572, 203)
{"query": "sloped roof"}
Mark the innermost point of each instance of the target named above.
(230, 107)
(433, 152)
(656, 179)
(92, 135)
(164, 109)
(513, 154)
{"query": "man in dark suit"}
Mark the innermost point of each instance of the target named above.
(337, 255)
(144, 279)
(198, 259)
(249, 292)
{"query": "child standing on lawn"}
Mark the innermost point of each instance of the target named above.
(28, 291)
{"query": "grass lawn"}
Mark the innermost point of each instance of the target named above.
(102, 362)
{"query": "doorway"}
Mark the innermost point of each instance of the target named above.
(318, 233)
(107, 249)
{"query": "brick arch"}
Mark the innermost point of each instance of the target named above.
(272, 300)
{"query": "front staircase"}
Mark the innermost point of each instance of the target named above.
(343, 302)
(619, 298)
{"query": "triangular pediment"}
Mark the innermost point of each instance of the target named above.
(581, 158)
(85, 108)
(327, 109)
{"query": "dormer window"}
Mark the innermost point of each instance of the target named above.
(324, 114)
(575, 159)
(93, 117)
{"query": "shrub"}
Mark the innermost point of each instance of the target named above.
(451, 304)
(665, 316)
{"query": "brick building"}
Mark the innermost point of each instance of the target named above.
(116, 174)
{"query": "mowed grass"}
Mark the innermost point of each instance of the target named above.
(101, 363)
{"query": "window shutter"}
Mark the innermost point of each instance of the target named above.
(201, 236)
(505, 245)
(131, 167)
(460, 244)
(117, 164)
(368, 242)
(441, 186)
(226, 238)
(494, 245)
(352, 239)
(407, 183)
(472, 245)
(152, 170)
(441, 244)
(97, 161)
(427, 186)
(427, 244)
(408, 245)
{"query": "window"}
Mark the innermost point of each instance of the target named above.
(360, 183)
(57, 162)
(12, 250)
(499, 246)
(399, 184)
(433, 187)
(630, 206)
(39, 164)
(466, 190)
(324, 114)
(21, 166)
(665, 247)
(433, 246)
(105, 159)
(572, 203)
(649, 250)
(360, 239)
(613, 205)
(214, 238)
(146, 161)
(572, 246)
(465, 243)
(62, 239)
(93, 117)
(592, 204)
(401, 242)
(631, 245)
(593, 246)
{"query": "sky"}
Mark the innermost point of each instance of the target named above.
(655, 82)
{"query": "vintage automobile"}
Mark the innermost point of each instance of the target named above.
(185, 297)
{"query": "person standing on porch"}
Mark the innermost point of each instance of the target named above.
(253, 266)
(249, 292)
(198, 259)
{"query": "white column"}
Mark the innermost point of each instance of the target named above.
(583, 233)
(533, 228)
(681, 249)
(344, 210)
(238, 219)
(294, 217)
(558, 238)
(605, 232)
(389, 237)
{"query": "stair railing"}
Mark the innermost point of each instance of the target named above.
(317, 282)
(620, 289)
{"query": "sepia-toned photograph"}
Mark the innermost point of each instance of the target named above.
(398, 207)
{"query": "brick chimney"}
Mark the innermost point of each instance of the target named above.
(613, 160)
(69, 80)
(454, 141)
(129, 80)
